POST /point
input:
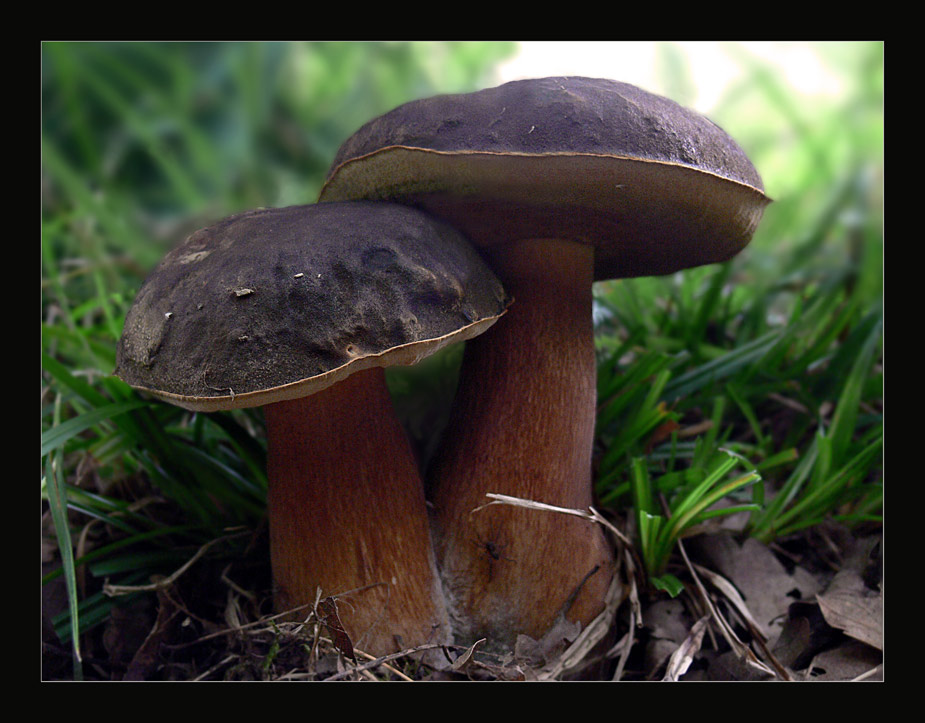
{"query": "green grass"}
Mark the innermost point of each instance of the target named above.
(774, 356)
(752, 387)
(800, 401)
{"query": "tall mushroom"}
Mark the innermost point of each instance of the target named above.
(299, 310)
(560, 182)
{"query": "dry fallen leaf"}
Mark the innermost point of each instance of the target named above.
(326, 610)
(460, 664)
(767, 587)
(851, 661)
(682, 657)
(537, 653)
(849, 605)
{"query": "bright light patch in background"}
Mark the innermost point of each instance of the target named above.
(710, 65)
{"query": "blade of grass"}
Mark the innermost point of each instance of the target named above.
(108, 550)
(58, 506)
(844, 420)
(824, 496)
(741, 357)
(762, 524)
(732, 390)
(60, 434)
(697, 509)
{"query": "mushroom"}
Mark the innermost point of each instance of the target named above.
(299, 310)
(560, 182)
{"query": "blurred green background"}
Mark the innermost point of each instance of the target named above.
(142, 143)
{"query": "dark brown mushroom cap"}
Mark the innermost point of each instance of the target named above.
(276, 304)
(655, 187)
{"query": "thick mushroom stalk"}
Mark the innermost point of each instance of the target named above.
(356, 531)
(528, 433)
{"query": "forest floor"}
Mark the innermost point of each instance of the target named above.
(809, 608)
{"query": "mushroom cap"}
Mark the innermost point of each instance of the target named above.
(655, 187)
(277, 304)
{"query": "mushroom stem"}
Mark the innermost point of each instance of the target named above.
(358, 530)
(527, 433)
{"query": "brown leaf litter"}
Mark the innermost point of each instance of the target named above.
(799, 610)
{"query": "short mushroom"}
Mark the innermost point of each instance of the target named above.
(299, 310)
(560, 182)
